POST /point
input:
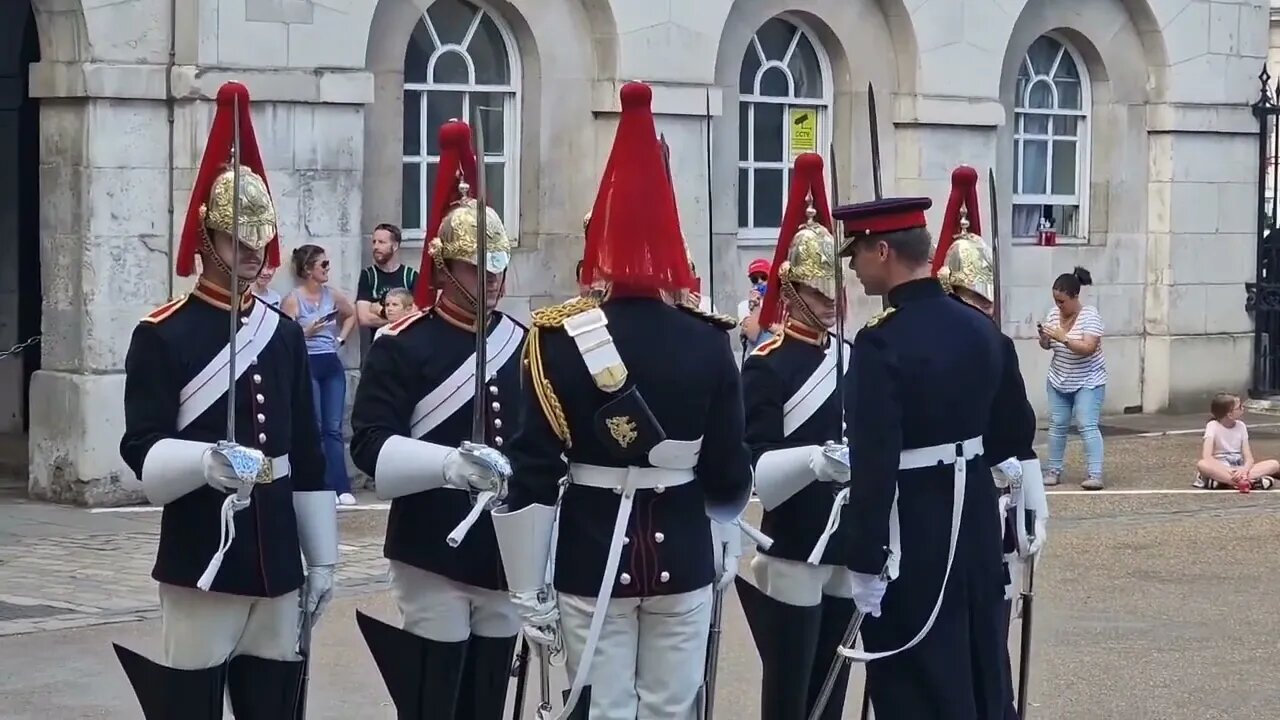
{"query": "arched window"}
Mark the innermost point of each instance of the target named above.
(784, 110)
(1051, 142)
(460, 55)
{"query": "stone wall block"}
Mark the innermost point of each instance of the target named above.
(250, 44)
(1212, 158)
(64, 191)
(128, 202)
(1204, 365)
(1224, 309)
(75, 457)
(133, 31)
(1194, 207)
(330, 203)
(1238, 207)
(328, 138)
(1187, 315)
(63, 134)
(1187, 35)
(1121, 307)
(1224, 28)
(1215, 258)
(127, 134)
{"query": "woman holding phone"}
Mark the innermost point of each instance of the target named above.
(327, 317)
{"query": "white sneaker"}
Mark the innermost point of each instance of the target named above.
(346, 499)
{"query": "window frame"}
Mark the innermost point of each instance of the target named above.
(511, 111)
(1083, 137)
(756, 236)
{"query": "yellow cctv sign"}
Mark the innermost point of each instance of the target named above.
(804, 131)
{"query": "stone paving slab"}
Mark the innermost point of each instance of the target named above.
(57, 583)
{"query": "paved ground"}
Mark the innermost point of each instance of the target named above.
(1153, 601)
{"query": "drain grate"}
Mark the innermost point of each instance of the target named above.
(11, 611)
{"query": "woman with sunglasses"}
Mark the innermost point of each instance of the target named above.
(327, 317)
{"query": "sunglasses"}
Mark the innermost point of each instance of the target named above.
(324, 264)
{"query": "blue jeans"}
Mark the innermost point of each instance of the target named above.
(329, 392)
(1086, 405)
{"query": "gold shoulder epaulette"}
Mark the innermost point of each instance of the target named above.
(546, 394)
(768, 346)
(879, 319)
(404, 322)
(554, 316)
(165, 310)
(724, 322)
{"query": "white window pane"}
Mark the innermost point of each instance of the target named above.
(451, 69)
(1026, 220)
(768, 199)
(767, 140)
(1042, 53)
(1017, 166)
(495, 180)
(774, 83)
(411, 199)
(412, 122)
(1064, 167)
(1020, 94)
(493, 118)
(441, 107)
(1066, 68)
(1035, 166)
(744, 131)
(750, 66)
(744, 198)
(433, 172)
(1066, 125)
(775, 37)
(1067, 221)
(418, 54)
(1035, 124)
(451, 19)
(805, 71)
(1069, 97)
(488, 53)
(1041, 97)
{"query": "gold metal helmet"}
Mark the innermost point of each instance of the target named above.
(812, 256)
(457, 237)
(257, 211)
(968, 264)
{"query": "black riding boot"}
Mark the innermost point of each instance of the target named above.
(262, 689)
(423, 676)
(485, 678)
(169, 694)
(836, 614)
(785, 636)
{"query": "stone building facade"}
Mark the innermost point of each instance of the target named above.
(1125, 122)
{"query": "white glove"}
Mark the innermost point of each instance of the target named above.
(868, 591)
(540, 615)
(726, 550)
(318, 591)
(826, 464)
(477, 467)
(222, 474)
(1011, 470)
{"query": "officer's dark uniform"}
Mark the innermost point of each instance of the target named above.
(413, 358)
(273, 406)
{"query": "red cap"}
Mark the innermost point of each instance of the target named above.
(964, 193)
(806, 181)
(882, 216)
(217, 155)
(457, 163)
(759, 265)
(634, 239)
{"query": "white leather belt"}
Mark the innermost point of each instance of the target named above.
(957, 456)
(636, 478)
(945, 454)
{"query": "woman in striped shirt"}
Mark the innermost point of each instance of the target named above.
(1077, 375)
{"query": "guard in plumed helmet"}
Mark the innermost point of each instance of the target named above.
(637, 404)
(229, 581)
(931, 399)
(412, 426)
(803, 602)
(966, 267)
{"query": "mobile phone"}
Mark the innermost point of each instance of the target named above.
(327, 317)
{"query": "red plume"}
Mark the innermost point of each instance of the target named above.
(964, 193)
(217, 155)
(805, 181)
(457, 163)
(634, 238)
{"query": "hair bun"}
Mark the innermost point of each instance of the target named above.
(1083, 275)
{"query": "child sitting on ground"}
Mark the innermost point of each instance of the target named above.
(1226, 460)
(398, 303)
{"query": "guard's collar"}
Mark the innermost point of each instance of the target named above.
(458, 316)
(918, 289)
(219, 296)
(804, 333)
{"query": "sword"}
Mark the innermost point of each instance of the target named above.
(1024, 650)
(877, 186)
(520, 671)
(837, 664)
(840, 309)
(482, 295)
(709, 672)
(304, 651)
(711, 234)
(994, 218)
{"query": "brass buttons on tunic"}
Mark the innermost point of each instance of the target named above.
(664, 576)
(659, 537)
(262, 437)
(625, 579)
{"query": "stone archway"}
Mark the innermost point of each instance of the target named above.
(20, 278)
